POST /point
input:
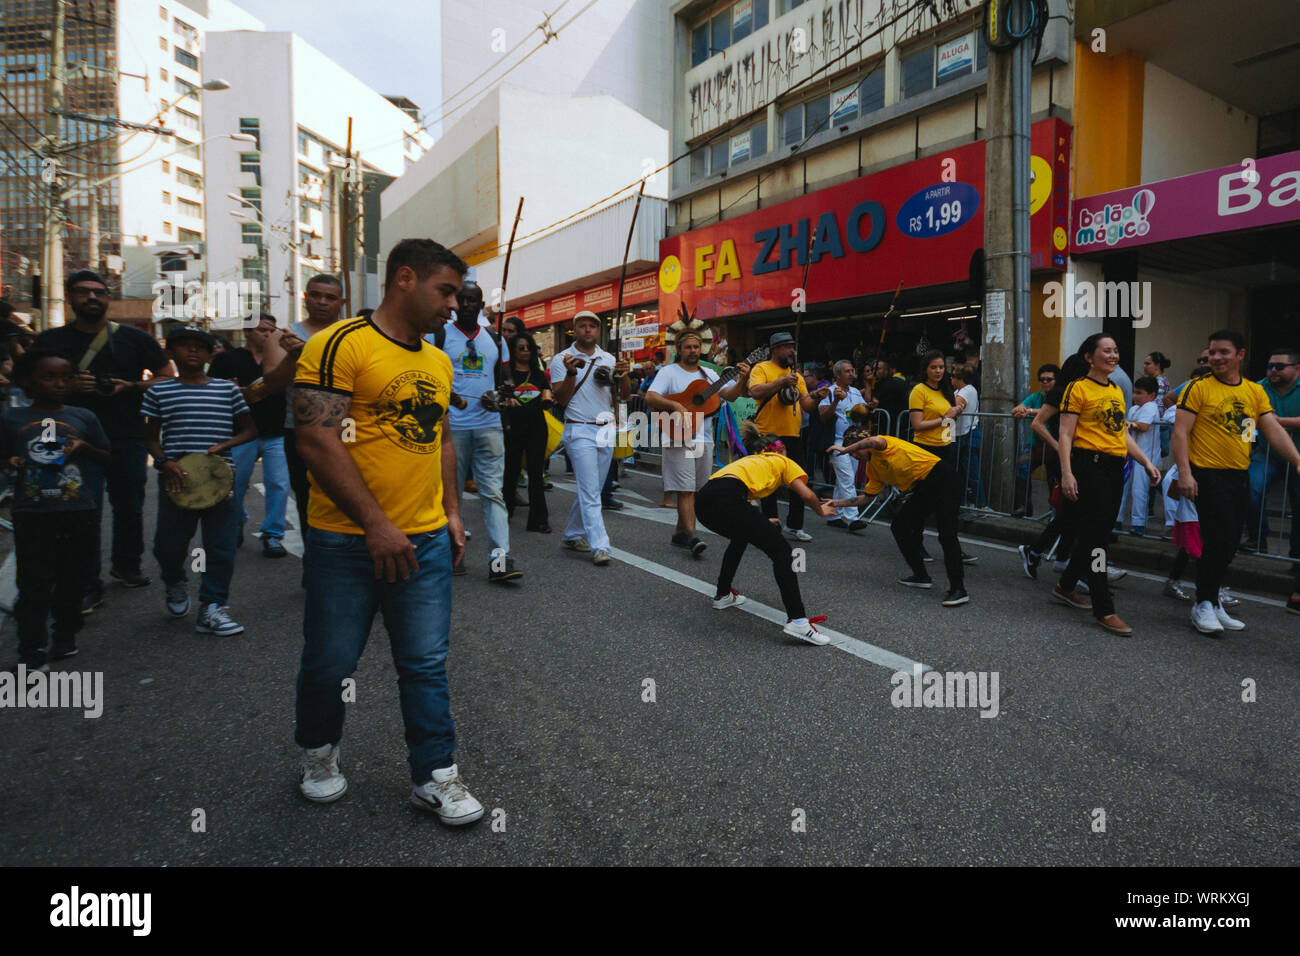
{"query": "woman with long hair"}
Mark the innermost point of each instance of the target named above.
(526, 431)
(934, 407)
(1155, 365)
(1093, 443)
(722, 506)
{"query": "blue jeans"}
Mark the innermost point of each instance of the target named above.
(968, 468)
(342, 597)
(483, 451)
(171, 545)
(125, 479)
(275, 476)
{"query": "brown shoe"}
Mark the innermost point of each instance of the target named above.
(1073, 599)
(471, 487)
(1115, 624)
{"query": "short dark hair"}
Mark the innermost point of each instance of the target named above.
(1161, 361)
(1290, 351)
(1048, 367)
(423, 256)
(1147, 383)
(25, 364)
(1229, 335)
(83, 275)
(325, 278)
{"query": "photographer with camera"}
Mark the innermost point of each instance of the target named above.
(110, 361)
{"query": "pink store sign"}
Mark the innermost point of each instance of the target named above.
(1258, 192)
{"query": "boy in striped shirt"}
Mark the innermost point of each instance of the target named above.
(194, 413)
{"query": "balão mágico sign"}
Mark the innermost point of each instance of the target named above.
(919, 222)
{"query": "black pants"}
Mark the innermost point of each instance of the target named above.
(935, 493)
(1101, 485)
(124, 480)
(1065, 518)
(54, 551)
(299, 480)
(1222, 496)
(722, 507)
(531, 440)
(794, 521)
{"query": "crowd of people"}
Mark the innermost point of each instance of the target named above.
(379, 424)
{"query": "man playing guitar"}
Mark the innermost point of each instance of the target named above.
(688, 452)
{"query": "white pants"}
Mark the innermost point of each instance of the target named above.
(846, 469)
(1137, 489)
(590, 465)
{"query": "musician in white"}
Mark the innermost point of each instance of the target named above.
(586, 395)
(837, 406)
(688, 458)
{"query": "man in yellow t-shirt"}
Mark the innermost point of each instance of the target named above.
(775, 417)
(370, 401)
(1219, 418)
(908, 467)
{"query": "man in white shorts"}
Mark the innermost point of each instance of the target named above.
(688, 463)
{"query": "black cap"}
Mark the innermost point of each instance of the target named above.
(780, 338)
(178, 333)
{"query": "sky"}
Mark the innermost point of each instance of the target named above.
(395, 51)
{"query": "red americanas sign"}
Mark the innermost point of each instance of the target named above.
(919, 222)
(599, 298)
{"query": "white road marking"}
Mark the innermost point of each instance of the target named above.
(850, 645)
(9, 581)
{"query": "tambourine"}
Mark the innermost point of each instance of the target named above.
(788, 394)
(209, 480)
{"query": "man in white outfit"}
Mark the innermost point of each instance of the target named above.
(837, 406)
(589, 431)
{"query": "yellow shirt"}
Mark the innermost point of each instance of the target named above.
(931, 404)
(1100, 410)
(1227, 417)
(776, 417)
(900, 464)
(762, 473)
(399, 397)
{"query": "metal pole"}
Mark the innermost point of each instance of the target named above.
(53, 272)
(1021, 75)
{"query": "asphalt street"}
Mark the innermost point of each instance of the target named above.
(756, 748)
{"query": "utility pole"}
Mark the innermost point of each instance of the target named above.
(53, 271)
(1004, 352)
(345, 251)
(93, 254)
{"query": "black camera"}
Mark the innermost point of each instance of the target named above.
(104, 384)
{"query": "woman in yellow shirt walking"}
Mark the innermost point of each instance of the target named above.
(934, 407)
(722, 507)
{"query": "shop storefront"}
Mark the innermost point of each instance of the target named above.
(829, 263)
(1214, 249)
(550, 320)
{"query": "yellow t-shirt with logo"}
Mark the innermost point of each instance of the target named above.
(399, 398)
(1227, 417)
(776, 417)
(900, 464)
(931, 404)
(1101, 413)
(762, 473)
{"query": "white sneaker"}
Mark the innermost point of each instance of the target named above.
(178, 599)
(446, 796)
(321, 781)
(798, 535)
(1226, 598)
(601, 557)
(1205, 620)
(1229, 623)
(214, 619)
(577, 544)
(805, 630)
(731, 599)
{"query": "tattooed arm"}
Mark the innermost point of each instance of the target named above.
(318, 420)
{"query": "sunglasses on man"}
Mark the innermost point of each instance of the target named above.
(1278, 366)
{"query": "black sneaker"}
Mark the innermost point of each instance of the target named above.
(458, 570)
(968, 558)
(838, 523)
(63, 649)
(129, 579)
(857, 525)
(609, 504)
(92, 600)
(681, 539)
(955, 597)
(916, 581)
(508, 573)
(926, 555)
(697, 547)
(1029, 560)
(272, 548)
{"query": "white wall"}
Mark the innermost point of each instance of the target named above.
(1186, 130)
(1183, 314)
(617, 47)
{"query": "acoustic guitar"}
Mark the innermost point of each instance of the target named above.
(701, 398)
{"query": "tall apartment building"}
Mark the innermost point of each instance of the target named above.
(276, 206)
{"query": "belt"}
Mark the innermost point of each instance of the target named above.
(574, 421)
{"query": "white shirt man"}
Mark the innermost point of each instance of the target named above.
(969, 418)
(589, 430)
(836, 406)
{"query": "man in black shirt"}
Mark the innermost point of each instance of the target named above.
(111, 360)
(889, 392)
(244, 368)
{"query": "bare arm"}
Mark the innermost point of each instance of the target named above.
(318, 421)
(1045, 414)
(729, 393)
(1180, 447)
(173, 474)
(247, 432)
(1277, 436)
(1069, 487)
(800, 488)
(450, 496)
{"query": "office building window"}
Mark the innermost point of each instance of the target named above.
(918, 72)
(955, 58)
(252, 196)
(187, 207)
(792, 126)
(251, 126)
(162, 12)
(250, 232)
(720, 30)
(162, 44)
(700, 163)
(167, 228)
(166, 166)
(166, 198)
(253, 269)
(163, 74)
(700, 44)
(187, 178)
(304, 144)
(186, 59)
(188, 235)
(187, 120)
(871, 92)
(187, 89)
(305, 208)
(251, 163)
